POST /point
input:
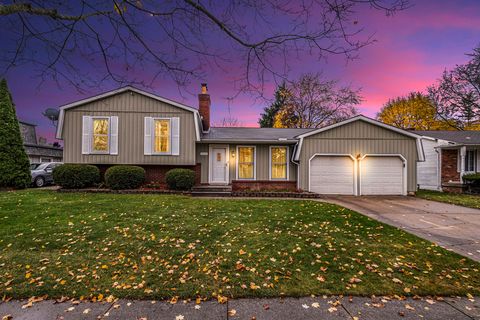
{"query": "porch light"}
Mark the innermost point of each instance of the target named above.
(233, 154)
(358, 156)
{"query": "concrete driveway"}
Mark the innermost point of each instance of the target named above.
(453, 227)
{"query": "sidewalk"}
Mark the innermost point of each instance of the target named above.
(275, 309)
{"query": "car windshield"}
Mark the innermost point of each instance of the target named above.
(42, 166)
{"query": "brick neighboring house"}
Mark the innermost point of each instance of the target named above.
(37, 149)
(448, 156)
(358, 156)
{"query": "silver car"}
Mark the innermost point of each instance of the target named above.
(43, 174)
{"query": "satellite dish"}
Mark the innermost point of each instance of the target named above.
(52, 114)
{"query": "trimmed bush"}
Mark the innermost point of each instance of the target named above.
(76, 176)
(473, 178)
(124, 177)
(180, 179)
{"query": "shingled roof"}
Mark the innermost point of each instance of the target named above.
(461, 137)
(252, 134)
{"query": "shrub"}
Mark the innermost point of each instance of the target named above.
(180, 179)
(473, 178)
(76, 176)
(124, 177)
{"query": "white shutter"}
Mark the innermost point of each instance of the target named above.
(114, 135)
(175, 136)
(147, 141)
(86, 134)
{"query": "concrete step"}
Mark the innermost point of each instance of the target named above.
(212, 189)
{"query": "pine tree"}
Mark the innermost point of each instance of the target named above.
(267, 119)
(13, 159)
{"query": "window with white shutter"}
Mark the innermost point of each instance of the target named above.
(162, 136)
(100, 135)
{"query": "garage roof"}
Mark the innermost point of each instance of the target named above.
(411, 134)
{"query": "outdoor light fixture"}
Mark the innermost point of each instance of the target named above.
(358, 156)
(233, 154)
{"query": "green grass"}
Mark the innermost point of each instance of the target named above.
(161, 246)
(466, 200)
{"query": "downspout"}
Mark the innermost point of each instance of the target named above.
(439, 168)
(294, 153)
(463, 151)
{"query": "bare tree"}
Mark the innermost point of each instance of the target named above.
(228, 122)
(84, 43)
(314, 102)
(457, 94)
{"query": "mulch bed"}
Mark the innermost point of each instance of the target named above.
(237, 194)
(274, 194)
(131, 191)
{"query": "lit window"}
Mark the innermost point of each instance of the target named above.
(278, 162)
(470, 159)
(246, 162)
(162, 136)
(100, 134)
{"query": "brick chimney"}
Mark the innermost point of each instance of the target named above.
(204, 107)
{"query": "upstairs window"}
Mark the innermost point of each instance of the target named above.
(100, 138)
(162, 136)
(100, 135)
(278, 163)
(246, 163)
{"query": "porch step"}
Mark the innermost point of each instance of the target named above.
(211, 191)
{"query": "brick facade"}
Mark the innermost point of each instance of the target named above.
(449, 165)
(261, 185)
(156, 174)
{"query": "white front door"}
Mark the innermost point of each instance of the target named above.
(219, 165)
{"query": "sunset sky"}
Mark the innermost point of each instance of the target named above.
(412, 49)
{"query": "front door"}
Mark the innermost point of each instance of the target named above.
(219, 165)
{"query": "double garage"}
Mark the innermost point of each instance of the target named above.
(359, 156)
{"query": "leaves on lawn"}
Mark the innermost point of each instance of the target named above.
(103, 247)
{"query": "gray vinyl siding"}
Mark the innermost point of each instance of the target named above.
(262, 161)
(428, 174)
(203, 161)
(131, 109)
(359, 138)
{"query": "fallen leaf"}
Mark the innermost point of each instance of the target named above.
(396, 280)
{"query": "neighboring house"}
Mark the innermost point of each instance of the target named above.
(38, 150)
(448, 156)
(359, 156)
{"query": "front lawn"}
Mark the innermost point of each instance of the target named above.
(466, 200)
(158, 246)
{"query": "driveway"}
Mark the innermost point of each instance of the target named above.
(453, 227)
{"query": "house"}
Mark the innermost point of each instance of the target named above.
(359, 156)
(448, 156)
(38, 150)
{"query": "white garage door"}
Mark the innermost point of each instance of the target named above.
(332, 175)
(381, 176)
